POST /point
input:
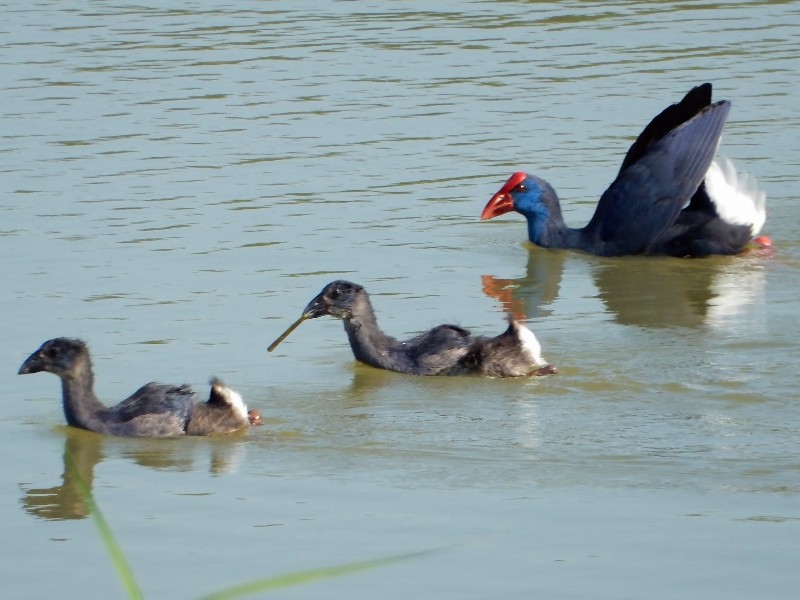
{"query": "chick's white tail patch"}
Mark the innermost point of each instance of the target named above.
(530, 344)
(736, 195)
(230, 397)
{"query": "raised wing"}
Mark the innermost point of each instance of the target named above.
(668, 119)
(649, 194)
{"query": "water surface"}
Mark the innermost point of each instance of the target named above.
(179, 181)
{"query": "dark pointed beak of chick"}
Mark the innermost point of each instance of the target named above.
(33, 364)
(318, 307)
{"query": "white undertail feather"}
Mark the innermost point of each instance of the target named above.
(530, 345)
(231, 397)
(736, 195)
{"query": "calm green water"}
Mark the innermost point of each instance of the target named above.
(179, 180)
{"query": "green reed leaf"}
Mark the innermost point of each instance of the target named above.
(266, 584)
(300, 577)
(117, 557)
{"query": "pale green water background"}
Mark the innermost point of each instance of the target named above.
(179, 179)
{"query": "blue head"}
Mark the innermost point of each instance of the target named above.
(534, 199)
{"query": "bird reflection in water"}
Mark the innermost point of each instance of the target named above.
(651, 292)
(529, 296)
(84, 450)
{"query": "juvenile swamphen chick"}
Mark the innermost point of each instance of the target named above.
(443, 350)
(154, 410)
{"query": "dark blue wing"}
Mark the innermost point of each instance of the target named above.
(648, 196)
(668, 119)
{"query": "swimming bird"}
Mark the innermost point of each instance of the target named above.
(669, 198)
(443, 350)
(154, 410)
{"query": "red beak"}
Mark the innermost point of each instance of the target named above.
(502, 202)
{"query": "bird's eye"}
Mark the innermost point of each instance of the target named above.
(51, 352)
(521, 188)
(335, 293)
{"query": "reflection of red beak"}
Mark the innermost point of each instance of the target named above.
(503, 290)
(502, 202)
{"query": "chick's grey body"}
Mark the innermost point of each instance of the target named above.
(154, 410)
(443, 350)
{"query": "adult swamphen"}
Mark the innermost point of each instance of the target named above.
(154, 410)
(443, 350)
(669, 198)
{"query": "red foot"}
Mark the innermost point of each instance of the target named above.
(763, 241)
(546, 370)
(254, 417)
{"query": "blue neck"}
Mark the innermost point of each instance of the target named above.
(551, 232)
(539, 227)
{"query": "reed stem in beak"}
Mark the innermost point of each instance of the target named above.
(286, 333)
